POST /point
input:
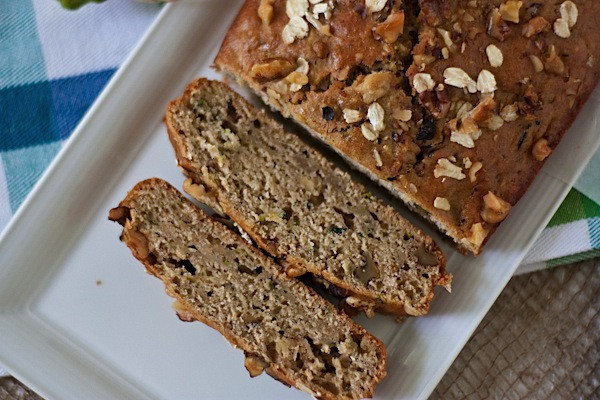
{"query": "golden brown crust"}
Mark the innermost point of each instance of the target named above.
(408, 154)
(190, 312)
(294, 266)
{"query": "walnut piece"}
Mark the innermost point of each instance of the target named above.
(254, 365)
(392, 27)
(478, 234)
(475, 167)
(272, 69)
(535, 26)
(375, 85)
(497, 27)
(510, 10)
(265, 11)
(494, 208)
(541, 150)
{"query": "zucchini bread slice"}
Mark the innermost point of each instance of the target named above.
(298, 206)
(217, 278)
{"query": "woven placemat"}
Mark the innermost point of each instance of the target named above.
(540, 340)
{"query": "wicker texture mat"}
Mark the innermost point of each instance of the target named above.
(540, 340)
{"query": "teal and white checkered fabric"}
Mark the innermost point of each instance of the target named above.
(54, 63)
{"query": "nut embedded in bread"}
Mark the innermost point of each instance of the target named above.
(490, 91)
(282, 326)
(298, 206)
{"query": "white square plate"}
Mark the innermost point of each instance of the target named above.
(80, 320)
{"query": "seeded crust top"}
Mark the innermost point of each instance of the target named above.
(452, 104)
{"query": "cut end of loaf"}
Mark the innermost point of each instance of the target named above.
(297, 205)
(282, 326)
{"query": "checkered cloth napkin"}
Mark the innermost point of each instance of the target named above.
(54, 63)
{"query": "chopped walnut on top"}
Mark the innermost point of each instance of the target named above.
(478, 234)
(541, 150)
(375, 85)
(494, 208)
(509, 10)
(535, 25)
(392, 27)
(265, 11)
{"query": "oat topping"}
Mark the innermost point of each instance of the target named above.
(494, 208)
(541, 150)
(486, 82)
(445, 53)
(446, 37)
(296, 28)
(561, 28)
(458, 78)
(510, 11)
(423, 82)
(377, 158)
(477, 165)
(296, 8)
(494, 55)
(441, 203)
(569, 12)
(509, 112)
(368, 131)
(538, 65)
(412, 187)
(351, 116)
(375, 114)
(402, 115)
(467, 162)
(374, 6)
(445, 168)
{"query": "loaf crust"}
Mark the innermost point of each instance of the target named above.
(465, 186)
(287, 196)
(158, 223)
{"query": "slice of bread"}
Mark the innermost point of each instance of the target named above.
(298, 206)
(218, 278)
